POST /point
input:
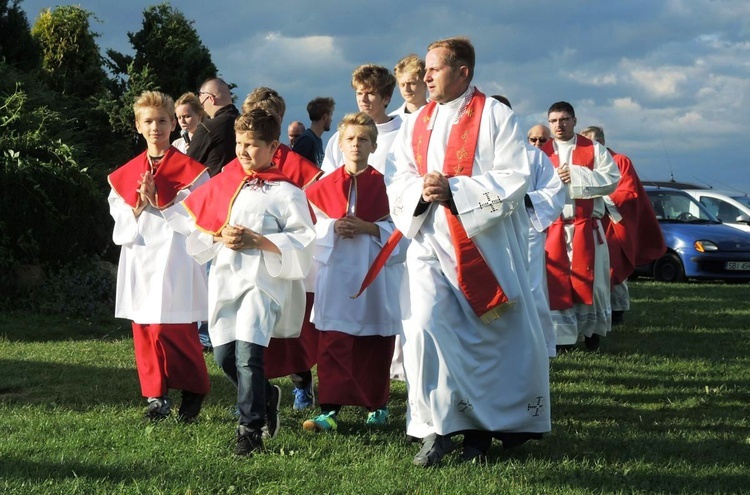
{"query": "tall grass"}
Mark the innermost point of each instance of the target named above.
(661, 408)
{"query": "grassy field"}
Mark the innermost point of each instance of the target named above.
(661, 408)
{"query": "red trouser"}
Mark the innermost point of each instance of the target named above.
(169, 355)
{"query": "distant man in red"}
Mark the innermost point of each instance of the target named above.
(633, 233)
(577, 255)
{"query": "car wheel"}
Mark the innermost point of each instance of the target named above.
(669, 269)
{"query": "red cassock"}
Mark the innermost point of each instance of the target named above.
(637, 238)
(353, 370)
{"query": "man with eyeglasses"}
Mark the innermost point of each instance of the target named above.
(577, 256)
(213, 142)
(538, 135)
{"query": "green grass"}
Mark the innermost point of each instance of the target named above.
(661, 408)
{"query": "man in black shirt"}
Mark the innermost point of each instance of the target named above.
(213, 142)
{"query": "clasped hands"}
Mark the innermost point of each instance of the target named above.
(435, 187)
(237, 237)
(348, 227)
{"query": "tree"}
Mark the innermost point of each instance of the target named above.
(17, 47)
(71, 62)
(170, 47)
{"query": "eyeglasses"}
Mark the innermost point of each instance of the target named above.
(538, 139)
(206, 93)
(562, 120)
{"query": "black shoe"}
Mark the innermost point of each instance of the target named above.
(434, 447)
(618, 317)
(190, 406)
(158, 408)
(273, 401)
(473, 455)
(592, 343)
(562, 349)
(249, 441)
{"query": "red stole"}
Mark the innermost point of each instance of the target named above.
(175, 172)
(211, 204)
(637, 239)
(302, 171)
(475, 277)
(331, 194)
(571, 283)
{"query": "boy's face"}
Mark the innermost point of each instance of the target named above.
(370, 102)
(254, 154)
(155, 124)
(356, 145)
(187, 118)
(412, 87)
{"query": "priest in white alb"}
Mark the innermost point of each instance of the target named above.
(474, 351)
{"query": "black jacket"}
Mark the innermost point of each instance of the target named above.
(213, 142)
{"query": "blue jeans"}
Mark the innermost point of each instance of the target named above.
(242, 362)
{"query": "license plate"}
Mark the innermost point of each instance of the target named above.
(738, 265)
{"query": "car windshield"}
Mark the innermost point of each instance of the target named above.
(678, 207)
(744, 199)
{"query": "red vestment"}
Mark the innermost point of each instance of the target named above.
(572, 282)
(174, 172)
(353, 370)
(637, 238)
(302, 171)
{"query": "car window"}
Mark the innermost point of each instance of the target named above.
(678, 207)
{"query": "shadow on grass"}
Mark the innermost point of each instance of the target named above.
(28, 471)
(28, 327)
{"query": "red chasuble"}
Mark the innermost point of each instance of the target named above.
(475, 278)
(331, 194)
(211, 204)
(302, 171)
(175, 172)
(637, 238)
(571, 283)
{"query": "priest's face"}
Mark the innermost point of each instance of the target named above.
(372, 103)
(412, 88)
(445, 83)
(562, 125)
(253, 153)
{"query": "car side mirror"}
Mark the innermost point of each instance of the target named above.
(744, 218)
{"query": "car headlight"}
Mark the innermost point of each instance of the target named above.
(705, 246)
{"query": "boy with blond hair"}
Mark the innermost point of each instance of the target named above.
(356, 335)
(255, 226)
(409, 72)
(159, 286)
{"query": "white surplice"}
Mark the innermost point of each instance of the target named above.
(157, 281)
(341, 266)
(334, 157)
(547, 196)
(585, 183)
(462, 373)
(254, 295)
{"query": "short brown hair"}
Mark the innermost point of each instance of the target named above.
(461, 52)
(264, 124)
(267, 98)
(154, 99)
(359, 118)
(410, 64)
(374, 77)
(320, 106)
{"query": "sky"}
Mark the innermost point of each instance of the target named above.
(668, 80)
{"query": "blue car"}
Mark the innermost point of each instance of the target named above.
(699, 246)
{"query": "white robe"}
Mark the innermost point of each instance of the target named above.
(585, 183)
(547, 196)
(334, 157)
(157, 281)
(342, 265)
(462, 373)
(254, 295)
